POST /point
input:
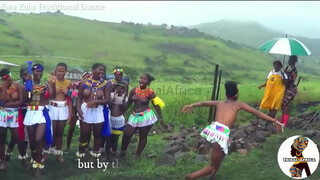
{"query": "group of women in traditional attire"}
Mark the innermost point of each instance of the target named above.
(38, 117)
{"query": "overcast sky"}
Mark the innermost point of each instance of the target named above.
(296, 18)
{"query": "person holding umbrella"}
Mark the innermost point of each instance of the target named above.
(275, 88)
(291, 88)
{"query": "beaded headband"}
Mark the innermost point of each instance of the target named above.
(37, 67)
(118, 71)
(6, 76)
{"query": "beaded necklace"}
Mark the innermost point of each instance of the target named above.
(36, 93)
(94, 85)
(91, 83)
(143, 93)
(62, 85)
(11, 89)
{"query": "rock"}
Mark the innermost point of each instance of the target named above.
(239, 134)
(235, 126)
(200, 159)
(250, 129)
(172, 143)
(170, 130)
(190, 130)
(242, 151)
(172, 150)
(194, 134)
(242, 141)
(254, 122)
(238, 146)
(179, 155)
(245, 145)
(166, 159)
(185, 147)
(232, 131)
(194, 143)
(185, 132)
(181, 126)
(179, 140)
(175, 136)
(202, 140)
(182, 134)
(259, 138)
(263, 133)
(133, 140)
(204, 149)
(232, 146)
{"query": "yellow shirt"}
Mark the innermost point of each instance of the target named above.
(274, 92)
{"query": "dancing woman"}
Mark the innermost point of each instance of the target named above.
(37, 117)
(142, 117)
(60, 109)
(9, 118)
(94, 93)
(23, 107)
(74, 117)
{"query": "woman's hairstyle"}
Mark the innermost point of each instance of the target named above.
(23, 70)
(277, 62)
(293, 59)
(96, 65)
(62, 65)
(4, 72)
(150, 78)
(231, 88)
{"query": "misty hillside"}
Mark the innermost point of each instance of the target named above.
(169, 53)
(251, 33)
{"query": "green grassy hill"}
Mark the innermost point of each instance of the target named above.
(251, 33)
(172, 54)
(169, 54)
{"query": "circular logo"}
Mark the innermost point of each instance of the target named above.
(298, 157)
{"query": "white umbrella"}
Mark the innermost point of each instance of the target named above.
(8, 63)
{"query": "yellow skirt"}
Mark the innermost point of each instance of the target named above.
(273, 94)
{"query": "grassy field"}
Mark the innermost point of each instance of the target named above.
(261, 163)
